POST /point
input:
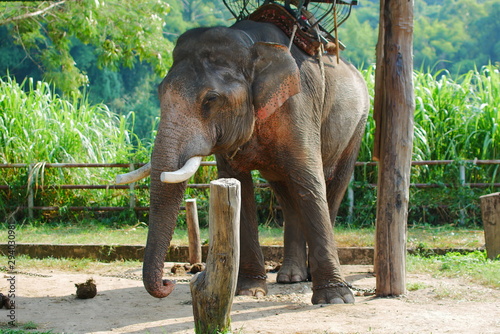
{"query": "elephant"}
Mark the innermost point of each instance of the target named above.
(241, 94)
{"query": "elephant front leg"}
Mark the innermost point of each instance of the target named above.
(329, 286)
(294, 267)
(252, 274)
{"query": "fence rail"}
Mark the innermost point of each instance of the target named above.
(32, 187)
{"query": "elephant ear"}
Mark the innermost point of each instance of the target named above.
(276, 77)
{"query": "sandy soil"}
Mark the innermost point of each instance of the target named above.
(123, 306)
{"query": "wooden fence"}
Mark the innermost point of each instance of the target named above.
(31, 187)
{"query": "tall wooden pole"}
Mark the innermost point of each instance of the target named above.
(394, 108)
(213, 289)
(193, 231)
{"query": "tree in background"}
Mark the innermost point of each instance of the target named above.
(117, 51)
(121, 33)
(455, 35)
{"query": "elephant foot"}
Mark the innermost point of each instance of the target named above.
(332, 293)
(291, 274)
(252, 286)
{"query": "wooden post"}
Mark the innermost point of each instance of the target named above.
(463, 213)
(213, 289)
(490, 210)
(131, 188)
(394, 107)
(193, 231)
(31, 196)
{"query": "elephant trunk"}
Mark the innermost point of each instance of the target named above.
(165, 202)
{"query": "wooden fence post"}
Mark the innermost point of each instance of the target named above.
(193, 231)
(132, 189)
(213, 289)
(394, 107)
(490, 210)
(463, 213)
(31, 195)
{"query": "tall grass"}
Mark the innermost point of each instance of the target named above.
(37, 127)
(455, 119)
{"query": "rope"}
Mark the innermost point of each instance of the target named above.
(292, 37)
(319, 56)
(336, 32)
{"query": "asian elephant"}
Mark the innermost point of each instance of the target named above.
(239, 93)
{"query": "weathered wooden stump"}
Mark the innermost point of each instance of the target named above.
(193, 231)
(213, 289)
(490, 210)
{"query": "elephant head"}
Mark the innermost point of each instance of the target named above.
(220, 84)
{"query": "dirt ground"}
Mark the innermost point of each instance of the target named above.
(123, 306)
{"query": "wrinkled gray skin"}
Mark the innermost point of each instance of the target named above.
(230, 95)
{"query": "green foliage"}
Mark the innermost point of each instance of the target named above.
(188, 14)
(38, 127)
(121, 33)
(360, 33)
(455, 119)
(457, 35)
(23, 331)
(473, 266)
(117, 51)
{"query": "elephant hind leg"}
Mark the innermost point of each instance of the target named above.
(338, 178)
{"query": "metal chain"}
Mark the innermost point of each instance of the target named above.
(139, 278)
(260, 277)
(17, 272)
(366, 292)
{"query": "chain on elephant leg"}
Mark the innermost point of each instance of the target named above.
(329, 285)
(252, 285)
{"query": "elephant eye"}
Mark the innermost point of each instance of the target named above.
(210, 101)
(211, 97)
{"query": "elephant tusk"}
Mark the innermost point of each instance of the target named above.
(135, 175)
(182, 174)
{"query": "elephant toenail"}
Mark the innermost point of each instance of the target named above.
(349, 299)
(283, 279)
(259, 294)
(336, 301)
(245, 293)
